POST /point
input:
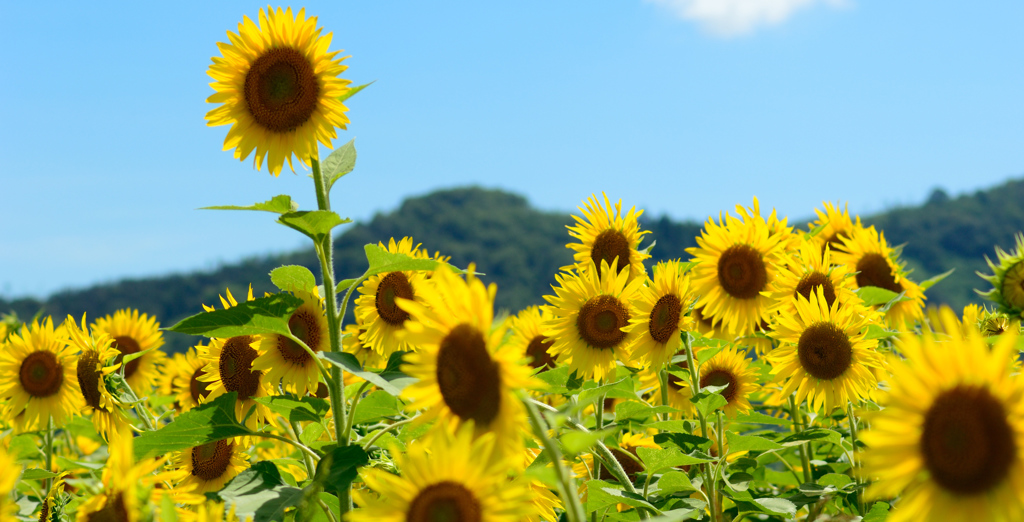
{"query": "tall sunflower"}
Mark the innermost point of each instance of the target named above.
(466, 375)
(447, 477)
(661, 308)
(605, 235)
(736, 262)
(730, 368)
(96, 360)
(824, 355)
(278, 88)
(528, 337)
(210, 466)
(1007, 278)
(866, 252)
(590, 314)
(132, 332)
(286, 361)
(949, 440)
(38, 382)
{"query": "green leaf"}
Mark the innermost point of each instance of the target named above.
(813, 434)
(776, 506)
(380, 261)
(316, 224)
(816, 230)
(837, 480)
(304, 409)
(393, 383)
(669, 426)
(576, 442)
(738, 443)
(597, 499)
(877, 332)
(878, 513)
(132, 356)
(353, 90)
(340, 162)
(293, 278)
(622, 389)
(656, 460)
(639, 411)
(676, 515)
(260, 492)
(207, 423)
(339, 467)
(37, 474)
(755, 417)
(282, 204)
(930, 282)
(709, 399)
(259, 316)
(375, 406)
(873, 295)
(556, 379)
(343, 285)
(673, 482)
(623, 497)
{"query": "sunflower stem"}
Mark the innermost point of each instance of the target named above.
(663, 377)
(694, 371)
(798, 427)
(48, 440)
(403, 422)
(310, 468)
(573, 508)
(720, 435)
(305, 449)
(850, 415)
(352, 409)
(598, 426)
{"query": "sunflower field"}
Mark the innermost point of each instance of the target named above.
(777, 374)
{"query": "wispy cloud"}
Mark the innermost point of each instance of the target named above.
(729, 18)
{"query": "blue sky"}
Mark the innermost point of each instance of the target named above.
(680, 107)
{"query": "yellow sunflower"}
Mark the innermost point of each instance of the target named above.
(625, 454)
(607, 235)
(529, 340)
(447, 477)
(133, 332)
(210, 466)
(377, 309)
(803, 272)
(835, 225)
(678, 390)
(866, 252)
(590, 313)
(8, 479)
(1007, 277)
(730, 368)
(545, 501)
(189, 390)
(350, 343)
(123, 484)
(949, 440)
(661, 308)
(824, 355)
(96, 360)
(279, 88)
(465, 373)
(285, 360)
(38, 382)
(736, 261)
(776, 226)
(229, 369)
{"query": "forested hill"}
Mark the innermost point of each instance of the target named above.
(521, 248)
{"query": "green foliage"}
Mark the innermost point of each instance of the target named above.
(210, 422)
(340, 162)
(259, 316)
(282, 204)
(315, 224)
(260, 492)
(293, 278)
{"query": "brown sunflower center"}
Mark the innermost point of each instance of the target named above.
(41, 374)
(810, 283)
(127, 346)
(720, 377)
(235, 366)
(210, 461)
(825, 351)
(1012, 287)
(444, 502)
(608, 246)
(967, 443)
(538, 350)
(874, 270)
(469, 380)
(601, 320)
(281, 90)
(115, 510)
(664, 320)
(89, 378)
(626, 460)
(741, 272)
(835, 241)
(198, 389)
(305, 325)
(393, 285)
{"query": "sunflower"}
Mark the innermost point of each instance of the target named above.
(735, 263)
(8, 479)
(661, 315)
(950, 438)
(803, 272)
(776, 226)
(187, 387)
(377, 309)
(835, 225)
(730, 368)
(350, 343)
(96, 360)
(132, 332)
(122, 483)
(678, 390)
(545, 501)
(284, 360)
(51, 508)
(625, 454)
(590, 313)
(229, 369)
(608, 236)
(446, 477)
(465, 373)
(824, 354)
(1007, 278)
(38, 382)
(279, 89)
(529, 340)
(866, 252)
(210, 466)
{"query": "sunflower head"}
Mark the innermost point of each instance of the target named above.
(865, 252)
(1007, 278)
(606, 235)
(131, 332)
(278, 87)
(803, 271)
(661, 308)
(529, 339)
(210, 466)
(288, 362)
(38, 382)
(97, 359)
(835, 224)
(730, 368)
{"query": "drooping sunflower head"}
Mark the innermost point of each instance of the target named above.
(824, 355)
(1007, 278)
(730, 368)
(528, 337)
(590, 315)
(132, 332)
(38, 382)
(606, 235)
(949, 440)
(278, 88)
(835, 224)
(866, 252)
(806, 269)
(736, 261)
(661, 308)
(97, 358)
(283, 360)
(209, 467)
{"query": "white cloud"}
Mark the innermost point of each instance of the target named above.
(736, 17)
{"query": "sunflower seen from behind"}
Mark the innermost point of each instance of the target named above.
(1007, 278)
(606, 235)
(97, 359)
(278, 88)
(661, 308)
(866, 252)
(132, 332)
(949, 440)
(285, 361)
(38, 382)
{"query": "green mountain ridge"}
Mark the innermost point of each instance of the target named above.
(521, 249)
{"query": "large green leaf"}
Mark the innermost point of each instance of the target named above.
(656, 460)
(260, 492)
(380, 261)
(674, 481)
(316, 224)
(813, 434)
(709, 399)
(737, 443)
(305, 409)
(639, 411)
(293, 278)
(340, 466)
(376, 406)
(340, 162)
(207, 423)
(575, 442)
(282, 204)
(878, 513)
(392, 382)
(259, 316)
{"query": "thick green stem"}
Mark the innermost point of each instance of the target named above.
(352, 409)
(798, 427)
(694, 370)
(49, 451)
(306, 459)
(566, 487)
(856, 472)
(598, 426)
